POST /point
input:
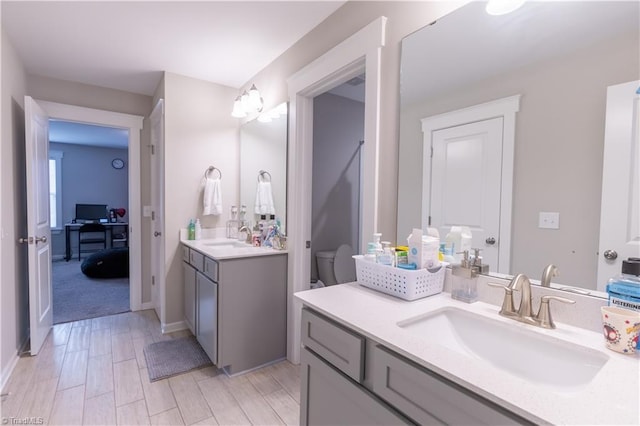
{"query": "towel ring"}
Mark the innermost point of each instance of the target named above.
(211, 169)
(261, 174)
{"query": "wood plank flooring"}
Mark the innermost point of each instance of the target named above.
(93, 372)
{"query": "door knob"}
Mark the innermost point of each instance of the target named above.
(40, 240)
(28, 240)
(157, 234)
(610, 254)
(491, 241)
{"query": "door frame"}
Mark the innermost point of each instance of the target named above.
(359, 53)
(505, 108)
(158, 299)
(134, 124)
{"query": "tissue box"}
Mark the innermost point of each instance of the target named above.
(624, 295)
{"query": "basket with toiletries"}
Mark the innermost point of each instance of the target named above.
(406, 284)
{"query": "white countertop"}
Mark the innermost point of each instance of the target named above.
(213, 248)
(612, 397)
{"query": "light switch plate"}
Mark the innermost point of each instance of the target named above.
(146, 211)
(549, 220)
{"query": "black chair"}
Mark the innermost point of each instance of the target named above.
(93, 229)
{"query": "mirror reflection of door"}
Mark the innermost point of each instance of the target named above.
(465, 183)
(620, 209)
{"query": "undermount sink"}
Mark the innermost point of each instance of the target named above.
(524, 353)
(227, 244)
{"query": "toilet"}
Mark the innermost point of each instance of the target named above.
(336, 267)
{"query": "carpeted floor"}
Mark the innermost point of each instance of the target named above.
(76, 297)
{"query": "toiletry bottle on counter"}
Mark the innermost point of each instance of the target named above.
(624, 289)
(386, 256)
(197, 230)
(191, 230)
(414, 241)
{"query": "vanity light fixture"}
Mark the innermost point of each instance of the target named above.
(502, 7)
(268, 116)
(248, 103)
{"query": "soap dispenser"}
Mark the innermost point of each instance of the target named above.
(464, 285)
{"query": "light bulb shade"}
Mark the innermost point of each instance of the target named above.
(238, 110)
(255, 100)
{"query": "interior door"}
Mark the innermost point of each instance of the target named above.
(157, 207)
(38, 222)
(620, 208)
(466, 171)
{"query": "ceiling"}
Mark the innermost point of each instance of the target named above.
(127, 45)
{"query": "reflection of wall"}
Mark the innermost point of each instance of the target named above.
(558, 155)
(338, 128)
(263, 146)
(88, 178)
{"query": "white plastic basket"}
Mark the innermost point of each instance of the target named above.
(403, 283)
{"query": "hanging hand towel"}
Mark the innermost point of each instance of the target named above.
(264, 199)
(212, 197)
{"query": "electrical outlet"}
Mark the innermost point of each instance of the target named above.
(549, 220)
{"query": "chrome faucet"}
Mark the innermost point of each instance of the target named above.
(246, 230)
(524, 313)
(549, 272)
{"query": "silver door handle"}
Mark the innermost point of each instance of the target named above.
(491, 241)
(157, 234)
(610, 254)
(28, 240)
(40, 240)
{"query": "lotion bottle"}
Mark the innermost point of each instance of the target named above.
(197, 230)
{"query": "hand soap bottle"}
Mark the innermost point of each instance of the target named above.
(191, 230)
(197, 230)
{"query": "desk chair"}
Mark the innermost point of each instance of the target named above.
(94, 229)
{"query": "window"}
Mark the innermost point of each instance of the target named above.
(55, 189)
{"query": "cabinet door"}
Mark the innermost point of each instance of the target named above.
(331, 398)
(207, 316)
(190, 307)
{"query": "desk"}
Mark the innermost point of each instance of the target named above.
(68, 227)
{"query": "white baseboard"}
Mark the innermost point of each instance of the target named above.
(174, 326)
(146, 305)
(4, 378)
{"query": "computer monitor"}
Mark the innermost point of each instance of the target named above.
(90, 212)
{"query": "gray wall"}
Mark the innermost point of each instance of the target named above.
(338, 128)
(14, 299)
(88, 178)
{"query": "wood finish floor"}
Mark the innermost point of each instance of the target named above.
(93, 372)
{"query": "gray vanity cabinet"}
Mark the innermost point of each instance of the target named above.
(189, 277)
(207, 315)
(348, 379)
(330, 398)
(237, 308)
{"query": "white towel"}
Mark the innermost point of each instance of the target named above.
(264, 199)
(212, 197)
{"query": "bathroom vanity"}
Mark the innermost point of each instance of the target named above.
(369, 358)
(235, 302)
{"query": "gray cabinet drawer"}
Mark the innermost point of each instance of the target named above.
(211, 269)
(341, 347)
(329, 398)
(185, 254)
(196, 260)
(429, 399)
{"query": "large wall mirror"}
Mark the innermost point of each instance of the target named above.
(263, 164)
(557, 59)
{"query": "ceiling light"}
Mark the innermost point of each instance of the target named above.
(248, 103)
(502, 7)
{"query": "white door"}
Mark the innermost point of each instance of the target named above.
(466, 173)
(157, 207)
(620, 209)
(38, 226)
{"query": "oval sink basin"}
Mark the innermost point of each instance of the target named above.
(534, 356)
